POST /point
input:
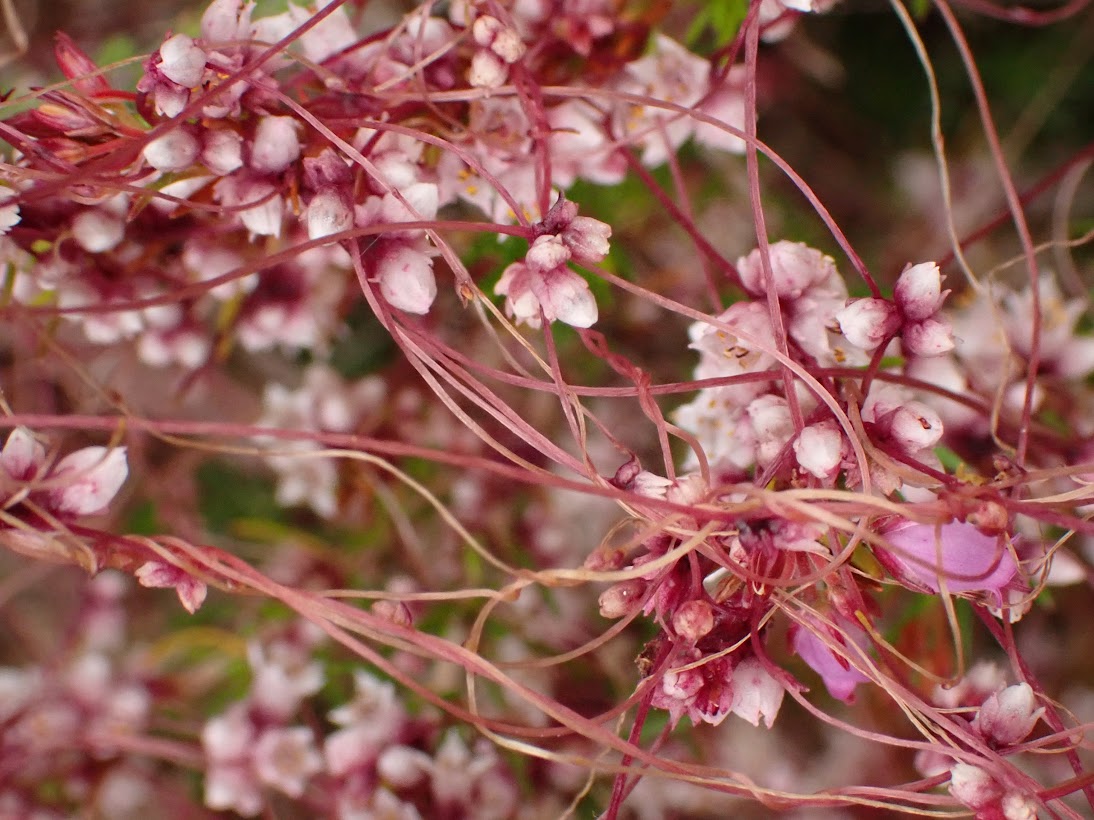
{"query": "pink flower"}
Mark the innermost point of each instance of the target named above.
(929, 337)
(276, 145)
(176, 150)
(285, 759)
(974, 787)
(925, 556)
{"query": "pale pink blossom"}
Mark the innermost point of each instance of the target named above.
(404, 767)
(918, 292)
(927, 338)
(260, 206)
(282, 675)
(89, 479)
(328, 213)
(226, 20)
(795, 268)
(97, 231)
(756, 694)
(560, 294)
(487, 70)
(222, 150)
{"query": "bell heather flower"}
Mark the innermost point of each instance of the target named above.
(839, 676)
(926, 556)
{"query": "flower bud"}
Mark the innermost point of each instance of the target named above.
(329, 212)
(866, 323)
(487, 70)
(1008, 716)
(223, 151)
(276, 145)
(406, 279)
(546, 254)
(929, 337)
(918, 291)
(756, 694)
(973, 786)
(587, 239)
(819, 449)
(76, 66)
(176, 150)
(915, 427)
(97, 231)
(181, 61)
(693, 620)
(621, 599)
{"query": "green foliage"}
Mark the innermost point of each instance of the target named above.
(227, 494)
(721, 18)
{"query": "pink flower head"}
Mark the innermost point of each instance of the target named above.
(839, 676)
(925, 556)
